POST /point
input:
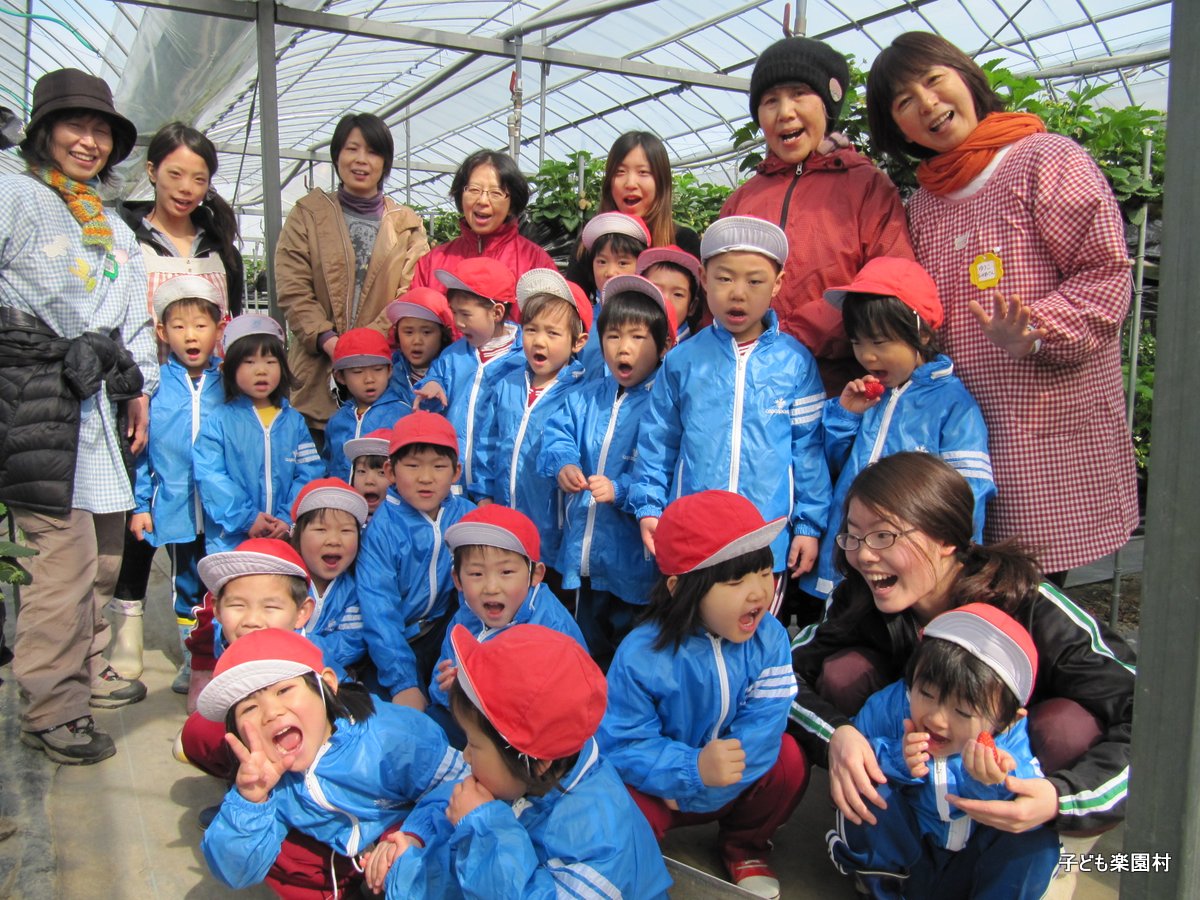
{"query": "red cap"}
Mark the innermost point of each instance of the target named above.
(548, 281)
(256, 556)
(421, 303)
(636, 284)
(496, 526)
(994, 638)
(421, 427)
(893, 276)
(361, 347)
(330, 493)
(615, 223)
(257, 660)
(672, 254)
(482, 276)
(701, 530)
(537, 687)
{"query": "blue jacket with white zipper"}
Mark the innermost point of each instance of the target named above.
(336, 625)
(346, 425)
(747, 424)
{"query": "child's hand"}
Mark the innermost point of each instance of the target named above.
(257, 772)
(377, 862)
(985, 762)
(139, 524)
(571, 479)
(468, 795)
(802, 554)
(484, 501)
(648, 526)
(1009, 328)
(722, 762)
(410, 697)
(280, 530)
(263, 526)
(138, 413)
(861, 394)
(431, 391)
(916, 745)
(602, 489)
(446, 673)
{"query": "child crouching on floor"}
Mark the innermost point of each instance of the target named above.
(325, 761)
(932, 733)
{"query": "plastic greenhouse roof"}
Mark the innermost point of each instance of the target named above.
(679, 68)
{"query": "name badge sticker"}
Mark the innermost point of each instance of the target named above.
(986, 271)
(111, 267)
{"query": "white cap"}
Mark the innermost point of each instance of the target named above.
(746, 234)
(185, 287)
(615, 223)
(248, 324)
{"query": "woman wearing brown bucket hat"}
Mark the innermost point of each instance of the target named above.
(76, 354)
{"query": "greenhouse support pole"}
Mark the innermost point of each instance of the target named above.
(407, 158)
(514, 118)
(268, 113)
(1164, 792)
(545, 72)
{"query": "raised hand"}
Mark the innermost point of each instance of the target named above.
(257, 772)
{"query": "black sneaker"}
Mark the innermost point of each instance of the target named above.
(206, 816)
(76, 743)
(110, 690)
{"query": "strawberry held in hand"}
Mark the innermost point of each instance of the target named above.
(874, 390)
(988, 741)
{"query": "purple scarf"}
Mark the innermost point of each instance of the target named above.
(361, 206)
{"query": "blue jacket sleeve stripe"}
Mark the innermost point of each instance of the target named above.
(808, 409)
(581, 880)
(452, 768)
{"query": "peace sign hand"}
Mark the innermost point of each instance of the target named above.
(257, 772)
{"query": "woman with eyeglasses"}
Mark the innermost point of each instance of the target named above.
(342, 258)
(490, 193)
(906, 552)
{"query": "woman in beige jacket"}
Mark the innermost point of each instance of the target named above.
(342, 257)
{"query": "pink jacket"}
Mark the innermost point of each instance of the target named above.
(506, 245)
(839, 211)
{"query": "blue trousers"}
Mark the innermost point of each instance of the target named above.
(187, 590)
(605, 619)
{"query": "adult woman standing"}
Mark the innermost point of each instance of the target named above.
(76, 351)
(907, 554)
(341, 259)
(1022, 234)
(490, 194)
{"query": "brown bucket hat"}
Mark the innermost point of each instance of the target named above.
(66, 89)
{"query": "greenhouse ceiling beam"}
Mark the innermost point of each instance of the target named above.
(1100, 65)
(993, 44)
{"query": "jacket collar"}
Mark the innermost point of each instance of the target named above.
(505, 234)
(836, 160)
(934, 370)
(767, 337)
(213, 367)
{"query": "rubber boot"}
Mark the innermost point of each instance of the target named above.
(125, 648)
(184, 676)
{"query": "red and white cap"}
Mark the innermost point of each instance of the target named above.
(548, 281)
(536, 686)
(711, 527)
(248, 324)
(361, 347)
(185, 287)
(746, 234)
(259, 659)
(257, 556)
(496, 526)
(373, 443)
(636, 284)
(423, 427)
(483, 276)
(421, 303)
(330, 493)
(893, 276)
(672, 254)
(994, 638)
(615, 223)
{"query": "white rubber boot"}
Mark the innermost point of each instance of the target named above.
(125, 648)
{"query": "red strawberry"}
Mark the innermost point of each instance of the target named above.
(874, 390)
(988, 741)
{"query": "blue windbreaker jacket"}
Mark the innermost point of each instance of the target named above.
(403, 578)
(934, 413)
(748, 425)
(336, 625)
(665, 705)
(365, 778)
(243, 469)
(597, 429)
(345, 425)
(164, 482)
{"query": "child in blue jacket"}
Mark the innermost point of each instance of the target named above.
(932, 733)
(611, 242)
(481, 292)
(542, 813)
(322, 760)
(590, 448)
(676, 273)
(699, 692)
(254, 453)
(910, 398)
(498, 574)
(404, 586)
(167, 510)
(422, 326)
(362, 364)
(738, 407)
(555, 319)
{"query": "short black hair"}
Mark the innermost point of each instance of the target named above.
(485, 302)
(869, 316)
(370, 460)
(952, 671)
(613, 242)
(461, 551)
(297, 589)
(632, 308)
(251, 345)
(697, 304)
(544, 303)
(374, 131)
(511, 179)
(419, 447)
(316, 515)
(677, 614)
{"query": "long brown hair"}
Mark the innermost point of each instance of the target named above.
(660, 218)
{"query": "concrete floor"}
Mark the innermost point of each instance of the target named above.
(126, 828)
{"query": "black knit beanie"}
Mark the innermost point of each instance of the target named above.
(801, 60)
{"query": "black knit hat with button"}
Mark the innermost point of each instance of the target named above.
(801, 60)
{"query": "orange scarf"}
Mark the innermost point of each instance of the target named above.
(948, 172)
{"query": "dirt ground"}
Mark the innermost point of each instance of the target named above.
(1097, 599)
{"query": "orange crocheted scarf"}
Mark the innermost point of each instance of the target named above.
(84, 203)
(948, 172)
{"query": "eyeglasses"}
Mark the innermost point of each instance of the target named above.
(876, 540)
(474, 192)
